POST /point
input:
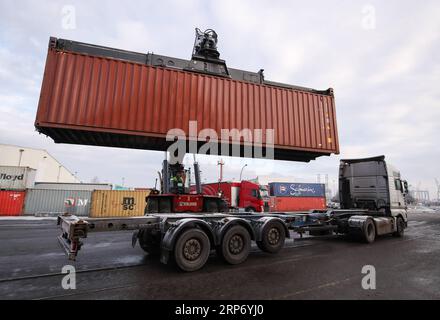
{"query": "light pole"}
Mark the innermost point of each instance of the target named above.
(59, 172)
(19, 158)
(241, 172)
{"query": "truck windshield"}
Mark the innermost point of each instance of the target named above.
(256, 194)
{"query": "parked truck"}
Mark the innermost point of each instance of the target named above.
(243, 195)
(372, 199)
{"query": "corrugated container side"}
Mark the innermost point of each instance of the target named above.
(16, 178)
(281, 189)
(11, 202)
(282, 204)
(102, 101)
(72, 186)
(53, 202)
(118, 203)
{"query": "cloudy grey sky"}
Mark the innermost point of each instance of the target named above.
(381, 57)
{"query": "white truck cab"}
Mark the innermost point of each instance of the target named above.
(376, 188)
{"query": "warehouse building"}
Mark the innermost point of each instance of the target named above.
(48, 169)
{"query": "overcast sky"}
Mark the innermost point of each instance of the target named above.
(381, 57)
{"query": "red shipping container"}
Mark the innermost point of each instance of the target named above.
(11, 202)
(96, 100)
(282, 204)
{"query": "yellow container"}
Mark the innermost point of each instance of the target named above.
(118, 203)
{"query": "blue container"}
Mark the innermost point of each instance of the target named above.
(281, 189)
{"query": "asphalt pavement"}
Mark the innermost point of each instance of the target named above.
(312, 268)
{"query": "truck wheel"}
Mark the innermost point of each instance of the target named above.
(250, 209)
(148, 242)
(236, 245)
(273, 237)
(192, 250)
(369, 231)
(400, 228)
(211, 206)
(165, 205)
(152, 206)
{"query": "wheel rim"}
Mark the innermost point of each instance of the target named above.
(192, 249)
(236, 244)
(273, 236)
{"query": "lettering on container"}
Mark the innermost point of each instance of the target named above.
(128, 203)
(8, 177)
(75, 202)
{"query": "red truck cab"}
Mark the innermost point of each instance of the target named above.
(239, 195)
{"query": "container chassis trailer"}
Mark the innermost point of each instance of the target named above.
(188, 239)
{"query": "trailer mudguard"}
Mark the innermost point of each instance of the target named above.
(262, 222)
(358, 222)
(227, 223)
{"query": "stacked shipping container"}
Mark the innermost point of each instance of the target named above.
(13, 183)
(20, 195)
(296, 196)
(54, 202)
(16, 178)
(118, 203)
(11, 202)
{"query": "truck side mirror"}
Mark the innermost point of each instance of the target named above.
(405, 186)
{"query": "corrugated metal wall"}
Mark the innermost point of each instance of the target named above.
(53, 202)
(96, 94)
(117, 203)
(16, 178)
(11, 202)
(287, 204)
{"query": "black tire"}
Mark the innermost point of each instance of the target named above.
(250, 209)
(192, 250)
(236, 245)
(211, 206)
(152, 205)
(400, 224)
(369, 231)
(273, 237)
(149, 243)
(165, 205)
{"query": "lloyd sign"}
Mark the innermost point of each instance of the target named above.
(5, 176)
(16, 178)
